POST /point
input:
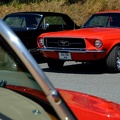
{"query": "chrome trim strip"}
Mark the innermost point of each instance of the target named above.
(72, 50)
(51, 93)
(33, 50)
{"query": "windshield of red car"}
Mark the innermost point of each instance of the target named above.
(103, 20)
(12, 70)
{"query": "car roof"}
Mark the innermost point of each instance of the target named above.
(109, 11)
(39, 13)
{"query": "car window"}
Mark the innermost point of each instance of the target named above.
(6, 62)
(52, 20)
(99, 21)
(18, 21)
(103, 20)
(12, 70)
(23, 21)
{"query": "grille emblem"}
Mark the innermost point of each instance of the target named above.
(63, 43)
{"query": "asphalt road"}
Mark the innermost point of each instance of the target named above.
(86, 78)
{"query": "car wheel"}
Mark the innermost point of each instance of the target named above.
(113, 60)
(55, 64)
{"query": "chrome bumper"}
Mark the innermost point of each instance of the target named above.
(71, 50)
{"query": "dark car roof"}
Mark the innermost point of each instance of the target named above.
(43, 13)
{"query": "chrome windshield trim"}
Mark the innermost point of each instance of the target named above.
(51, 93)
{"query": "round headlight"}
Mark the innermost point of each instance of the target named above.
(41, 42)
(98, 43)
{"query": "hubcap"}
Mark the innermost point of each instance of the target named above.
(118, 59)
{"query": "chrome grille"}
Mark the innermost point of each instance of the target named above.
(65, 42)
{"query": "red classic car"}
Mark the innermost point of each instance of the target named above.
(98, 40)
(27, 94)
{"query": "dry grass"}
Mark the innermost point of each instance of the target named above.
(79, 12)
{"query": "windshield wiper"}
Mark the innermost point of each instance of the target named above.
(92, 26)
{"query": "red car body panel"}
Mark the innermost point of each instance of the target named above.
(109, 40)
(85, 33)
(85, 107)
(76, 56)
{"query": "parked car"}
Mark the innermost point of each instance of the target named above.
(26, 92)
(98, 40)
(29, 25)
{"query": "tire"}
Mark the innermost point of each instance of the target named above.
(113, 60)
(55, 64)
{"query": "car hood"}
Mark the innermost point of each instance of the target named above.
(86, 106)
(86, 33)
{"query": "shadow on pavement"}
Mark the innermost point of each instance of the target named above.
(79, 68)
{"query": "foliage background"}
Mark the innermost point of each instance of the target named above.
(78, 10)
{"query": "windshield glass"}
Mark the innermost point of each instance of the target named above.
(13, 71)
(23, 21)
(104, 20)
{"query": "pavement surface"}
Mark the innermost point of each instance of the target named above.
(86, 78)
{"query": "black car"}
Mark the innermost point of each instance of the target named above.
(29, 25)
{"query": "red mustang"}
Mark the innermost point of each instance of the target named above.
(98, 40)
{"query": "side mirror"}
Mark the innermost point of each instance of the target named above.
(46, 25)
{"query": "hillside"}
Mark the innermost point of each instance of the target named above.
(79, 12)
